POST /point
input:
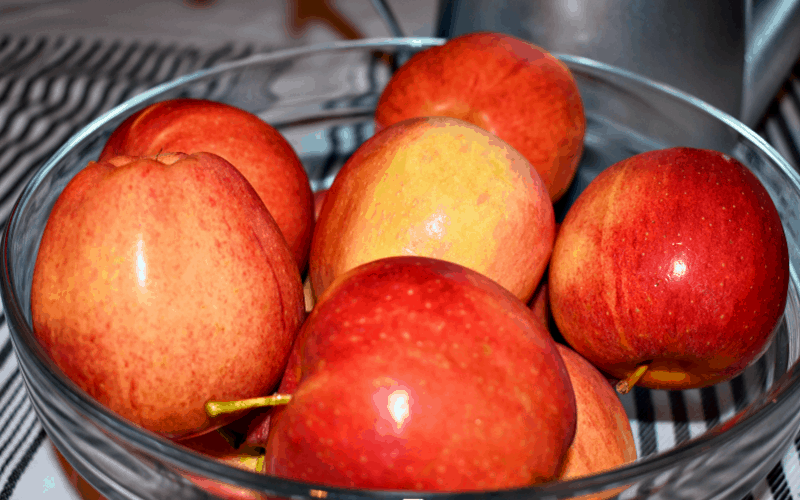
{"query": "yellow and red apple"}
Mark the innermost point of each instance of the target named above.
(436, 187)
(603, 436)
(163, 283)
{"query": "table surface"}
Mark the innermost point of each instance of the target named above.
(47, 92)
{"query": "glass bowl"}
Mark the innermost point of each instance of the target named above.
(716, 442)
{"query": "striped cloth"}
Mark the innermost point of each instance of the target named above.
(50, 88)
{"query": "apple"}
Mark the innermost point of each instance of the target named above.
(671, 266)
(540, 305)
(442, 188)
(161, 283)
(510, 87)
(540, 302)
(603, 436)
(218, 446)
(418, 374)
(258, 420)
(255, 148)
(319, 198)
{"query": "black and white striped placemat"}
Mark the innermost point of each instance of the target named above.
(51, 87)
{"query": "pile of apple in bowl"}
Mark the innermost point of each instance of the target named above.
(508, 247)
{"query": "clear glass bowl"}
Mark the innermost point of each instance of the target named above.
(700, 444)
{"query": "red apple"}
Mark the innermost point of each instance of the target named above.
(603, 436)
(674, 264)
(319, 199)
(219, 446)
(163, 283)
(255, 148)
(215, 445)
(508, 86)
(540, 304)
(416, 373)
(442, 188)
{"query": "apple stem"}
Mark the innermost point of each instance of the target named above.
(625, 385)
(215, 408)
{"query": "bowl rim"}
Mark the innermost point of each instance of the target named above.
(783, 391)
